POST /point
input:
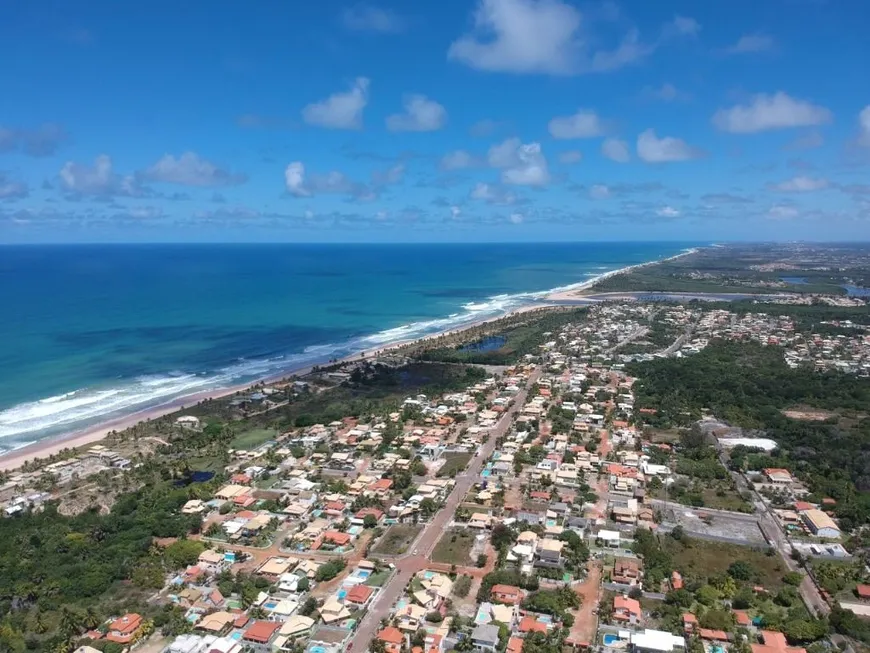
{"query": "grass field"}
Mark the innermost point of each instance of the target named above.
(700, 558)
(454, 547)
(378, 579)
(396, 539)
(253, 438)
(454, 463)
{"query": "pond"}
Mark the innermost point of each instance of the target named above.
(194, 477)
(797, 281)
(490, 343)
(856, 291)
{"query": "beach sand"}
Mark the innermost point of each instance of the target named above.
(45, 448)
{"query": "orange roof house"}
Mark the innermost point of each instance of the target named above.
(359, 594)
(507, 594)
(260, 632)
(336, 537)
(863, 591)
(690, 622)
(774, 642)
(713, 635)
(514, 645)
(676, 580)
(381, 485)
(392, 638)
(626, 610)
(123, 629)
(531, 625)
(742, 618)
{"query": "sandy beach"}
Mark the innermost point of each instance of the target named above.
(43, 449)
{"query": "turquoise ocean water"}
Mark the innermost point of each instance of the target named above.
(92, 332)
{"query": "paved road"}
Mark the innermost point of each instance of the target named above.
(419, 558)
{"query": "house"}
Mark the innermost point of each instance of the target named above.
(626, 571)
(216, 622)
(529, 624)
(413, 616)
(359, 595)
(820, 524)
(863, 591)
(774, 642)
(742, 618)
(258, 636)
(337, 538)
(656, 641)
(211, 561)
(485, 638)
(608, 538)
(690, 623)
(777, 476)
(626, 610)
(333, 611)
(710, 635)
(123, 629)
(392, 639)
(296, 626)
(676, 580)
(550, 552)
(506, 594)
(480, 520)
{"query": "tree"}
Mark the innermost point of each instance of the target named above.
(303, 584)
(741, 570)
(481, 560)
(794, 578)
(370, 521)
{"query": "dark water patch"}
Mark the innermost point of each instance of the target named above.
(856, 291)
(490, 343)
(323, 273)
(797, 281)
(463, 293)
(193, 477)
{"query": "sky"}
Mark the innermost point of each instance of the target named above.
(424, 121)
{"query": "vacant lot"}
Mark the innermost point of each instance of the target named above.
(454, 547)
(378, 579)
(253, 438)
(397, 539)
(700, 558)
(454, 463)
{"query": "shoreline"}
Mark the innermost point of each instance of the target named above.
(90, 435)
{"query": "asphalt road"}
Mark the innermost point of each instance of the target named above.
(419, 557)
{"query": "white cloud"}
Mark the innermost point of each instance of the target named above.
(392, 175)
(521, 36)
(522, 164)
(616, 150)
(599, 192)
(571, 156)
(98, 179)
(340, 110)
(41, 141)
(765, 112)
(457, 160)
(864, 126)
(516, 218)
(751, 43)
(294, 179)
(668, 212)
(652, 149)
(492, 194)
(10, 189)
(630, 50)
(367, 18)
(780, 212)
(801, 185)
(583, 124)
(421, 115)
(666, 93)
(684, 26)
(485, 127)
(190, 169)
(455, 212)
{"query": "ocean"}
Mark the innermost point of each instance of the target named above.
(93, 332)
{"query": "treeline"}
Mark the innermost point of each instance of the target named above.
(749, 385)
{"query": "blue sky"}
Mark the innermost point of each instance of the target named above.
(457, 120)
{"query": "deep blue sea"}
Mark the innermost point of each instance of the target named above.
(92, 332)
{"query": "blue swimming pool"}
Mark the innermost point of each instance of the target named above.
(341, 594)
(270, 605)
(236, 636)
(363, 573)
(317, 649)
(485, 473)
(610, 639)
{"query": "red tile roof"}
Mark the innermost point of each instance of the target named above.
(390, 635)
(359, 594)
(336, 537)
(530, 624)
(261, 631)
(863, 591)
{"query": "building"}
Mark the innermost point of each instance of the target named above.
(626, 571)
(507, 594)
(656, 641)
(259, 635)
(626, 610)
(777, 476)
(485, 638)
(123, 629)
(820, 524)
(774, 642)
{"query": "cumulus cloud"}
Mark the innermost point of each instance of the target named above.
(782, 212)
(457, 160)
(751, 43)
(683, 26)
(521, 164)
(667, 212)
(39, 142)
(368, 18)
(492, 194)
(667, 149)
(864, 126)
(516, 218)
(485, 127)
(392, 175)
(99, 179)
(666, 93)
(583, 124)
(571, 156)
(301, 184)
(599, 192)
(766, 112)
(190, 169)
(455, 212)
(800, 185)
(421, 115)
(12, 190)
(340, 110)
(616, 150)
(294, 179)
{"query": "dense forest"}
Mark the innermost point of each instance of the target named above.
(748, 385)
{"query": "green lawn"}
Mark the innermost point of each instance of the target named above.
(378, 579)
(700, 558)
(454, 463)
(253, 438)
(454, 547)
(396, 539)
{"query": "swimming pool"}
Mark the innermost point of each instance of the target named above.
(717, 649)
(429, 575)
(485, 473)
(362, 573)
(341, 594)
(317, 649)
(236, 636)
(610, 639)
(270, 605)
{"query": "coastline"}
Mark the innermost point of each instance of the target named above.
(579, 291)
(90, 435)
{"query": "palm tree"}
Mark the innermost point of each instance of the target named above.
(70, 622)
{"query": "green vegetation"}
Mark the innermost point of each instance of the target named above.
(454, 463)
(555, 602)
(378, 578)
(462, 586)
(505, 577)
(839, 578)
(397, 539)
(522, 334)
(329, 570)
(748, 385)
(253, 438)
(454, 547)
